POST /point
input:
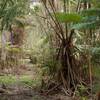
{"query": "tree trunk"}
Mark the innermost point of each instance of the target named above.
(3, 46)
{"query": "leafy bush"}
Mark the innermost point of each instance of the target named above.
(33, 59)
(96, 54)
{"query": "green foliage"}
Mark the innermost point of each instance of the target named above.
(23, 79)
(96, 87)
(67, 18)
(87, 25)
(7, 80)
(10, 9)
(49, 66)
(95, 52)
(28, 81)
(90, 19)
(33, 59)
(81, 89)
(13, 49)
(96, 74)
(96, 3)
(91, 12)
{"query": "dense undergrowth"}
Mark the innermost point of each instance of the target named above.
(51, 44)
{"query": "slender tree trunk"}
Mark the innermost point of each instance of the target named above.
(3, 44)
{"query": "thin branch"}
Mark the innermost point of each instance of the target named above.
(50, 25)
(70, 36)
(66, 27)
(78, 6)
(58, 24)
(51, 16)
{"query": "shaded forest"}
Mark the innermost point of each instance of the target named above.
(49, 50)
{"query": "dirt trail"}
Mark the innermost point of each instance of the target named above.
(19, 91)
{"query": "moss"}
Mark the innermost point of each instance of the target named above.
(7, 79)
(24, 79)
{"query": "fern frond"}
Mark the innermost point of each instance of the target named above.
(91, 12)
(87, 25)
(67, 18)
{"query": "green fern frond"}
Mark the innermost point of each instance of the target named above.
(91, 12)
(87, 25)
(67, 18)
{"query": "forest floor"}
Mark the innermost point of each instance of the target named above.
(23, 84)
